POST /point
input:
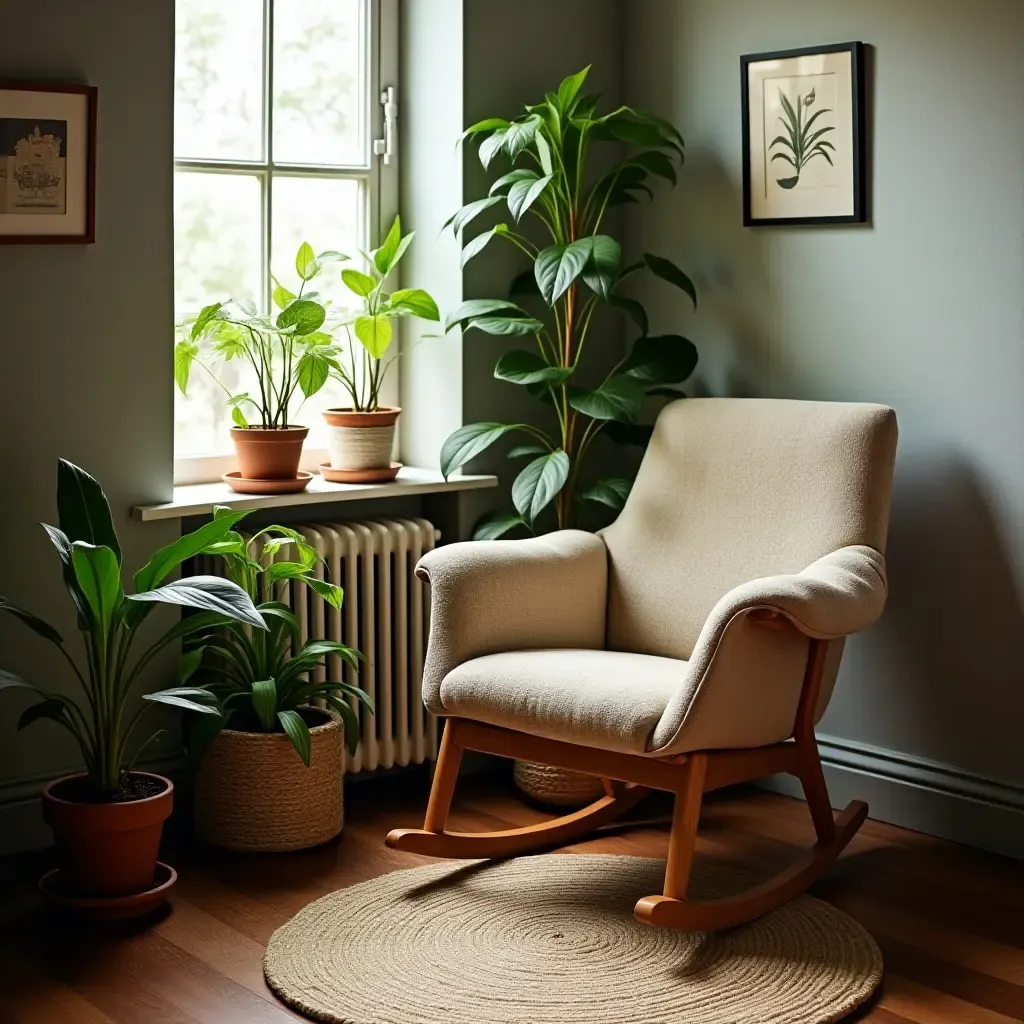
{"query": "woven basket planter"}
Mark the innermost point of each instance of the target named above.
(253, 793)
(558, 787)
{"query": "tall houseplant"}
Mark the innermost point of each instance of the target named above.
(289, 354)
(576, 272)
(107, 822)
(269, 769)
(361, 436)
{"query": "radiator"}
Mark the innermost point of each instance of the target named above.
(384, 615)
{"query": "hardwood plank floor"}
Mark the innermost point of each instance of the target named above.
(949, 920)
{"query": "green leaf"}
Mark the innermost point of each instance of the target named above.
(9, 679)
(487, 125)
(384, 258)
(665, 359)
(633, 309)
(37, 625)
(477, 307)
(618, 398)
(612, 491)
(305, 315)
(469, 212)
(312, 371)
(496, 524)
(519, 135)
(657, 163)
(602, 268)
(238, 417)
(156, 570)
(184, 353)
(505, 325)
(82, 509)
(99, 580)
(189, 664)
(569, 88)
(374, 332)
(206, 314)
(329, 256)
(673, 393)
(179, 697)
(207, 593)
(298, 732)
(481, 240)
(305, 262)
(282, 296)
(417, 302)
(349, 720)
(538, 484)
(53, 708)
(638, 434)
(635, 132)
(522, 450)
(668, 271)
(358, 282)
(558, 266)
(521, 367)
(329, 592)
(516, 174)
(264, 702)
(544, 153)
(491, 146)
(469, 441)
(523, 194)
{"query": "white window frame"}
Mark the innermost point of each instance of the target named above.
(380, 48)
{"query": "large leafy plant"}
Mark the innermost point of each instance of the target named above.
(261, 681)
(288, 353)
(360, 365)
(109, 622)
(558, 208)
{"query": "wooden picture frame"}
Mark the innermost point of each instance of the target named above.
(47, 163)
(801, 165)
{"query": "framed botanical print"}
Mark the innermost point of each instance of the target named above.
(804, 136)
(47, 163)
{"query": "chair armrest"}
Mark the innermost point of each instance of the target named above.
(739, 666)
(505, 595)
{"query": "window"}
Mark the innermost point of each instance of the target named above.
(276, 110)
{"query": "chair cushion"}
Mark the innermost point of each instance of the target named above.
(604, 699)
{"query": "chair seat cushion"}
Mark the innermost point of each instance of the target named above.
(605, 699)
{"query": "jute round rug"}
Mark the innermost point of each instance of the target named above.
(552, 940)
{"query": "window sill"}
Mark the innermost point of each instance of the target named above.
(200, 499)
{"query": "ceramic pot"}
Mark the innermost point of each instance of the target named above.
(253, 793)
(361, 440)
(269, 454)
(107, 849)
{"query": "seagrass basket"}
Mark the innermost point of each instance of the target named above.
(253, 793)
(558, 787)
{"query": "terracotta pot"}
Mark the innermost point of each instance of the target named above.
(361, 440)
(110, 849)
(253, 792)
(269, 454)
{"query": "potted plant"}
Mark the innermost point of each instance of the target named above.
(361, 436)
(574, 272)
(270, 768)
(287, 354)
(107, 821)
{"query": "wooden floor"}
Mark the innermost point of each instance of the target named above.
(950, 920)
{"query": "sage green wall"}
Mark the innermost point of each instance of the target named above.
(84, 335)
(923, 310)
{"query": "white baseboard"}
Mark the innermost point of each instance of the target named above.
(922, 795)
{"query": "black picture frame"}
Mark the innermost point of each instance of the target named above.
(858, 123)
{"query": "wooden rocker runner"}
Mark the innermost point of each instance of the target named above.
(692, 645)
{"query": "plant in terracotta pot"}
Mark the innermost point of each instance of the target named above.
(361, 436)
(269, 770)
(108, 820)
(286, 356)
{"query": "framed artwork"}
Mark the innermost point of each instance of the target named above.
(804, 158)
(47, 163)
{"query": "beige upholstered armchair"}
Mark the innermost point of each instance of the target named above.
(692, 644)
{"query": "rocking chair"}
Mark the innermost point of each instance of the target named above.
(691, 645)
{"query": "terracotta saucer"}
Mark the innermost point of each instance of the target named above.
(359, 476)
(110, 908)
(243, 485)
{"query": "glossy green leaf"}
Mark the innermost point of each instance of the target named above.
(304, 315)
(496, 524)
(478, 307)
(618, 398)
(305, 262)
(349, 720)
(190, 698)
(489, 124)
(522, 450)
(611, 491)
(388, 253)
(558, 266)
(603, 266)
(569, 89)
(543, 148)
(633, 309)
(477, 244)
(207, 593)
(506, 325)
(657, 163)
(665, 359)
(519, 135)
(538, 484)
(469, 441)
(99, 581)
(238, 417)
(668, 271)
(37, 625)
(416, 302)
(312, 371)
(358, 282)
(189, 664)
(523, 194)
(329, 592)
(374, 332)
(206, 315)
(83, 510)
(491, 146)
(184, 354)
(507, 180)
(52, 708)
(469, 212)
(281, 296)
(298, 732)
(168, 558)
(264, 702)
(522, 367)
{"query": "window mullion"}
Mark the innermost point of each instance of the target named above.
(268, 153)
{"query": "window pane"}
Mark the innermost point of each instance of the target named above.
(218, 79)
(217, 255)
(327, 213)
(319, 98)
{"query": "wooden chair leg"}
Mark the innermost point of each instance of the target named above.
(812, 778)
(446, 774)
(685, 818)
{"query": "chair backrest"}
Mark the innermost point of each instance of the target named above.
(732, 489)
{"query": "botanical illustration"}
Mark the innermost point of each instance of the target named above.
(33, 155)
(802, 141)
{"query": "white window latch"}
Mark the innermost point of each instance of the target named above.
(386, 147)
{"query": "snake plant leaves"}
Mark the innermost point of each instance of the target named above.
(357, 282)
(521, 367)
(184, 353)
(493, 525)
(569, 89)
(207, 593)
(666, 359)
(602, 269)
(375, 334)
(668, 271)
(477, 244)
(618, 398)
(304, 315)
(633, 309)
(538, 484)
(611, 491)
(298, 732)
(467, 213)
(507, 180)
(523, 194)
(36, 624)
(558, 266)
(469, 441)
(473, 308)
(82, 509)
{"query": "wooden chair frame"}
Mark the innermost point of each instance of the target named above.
(688, 776)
